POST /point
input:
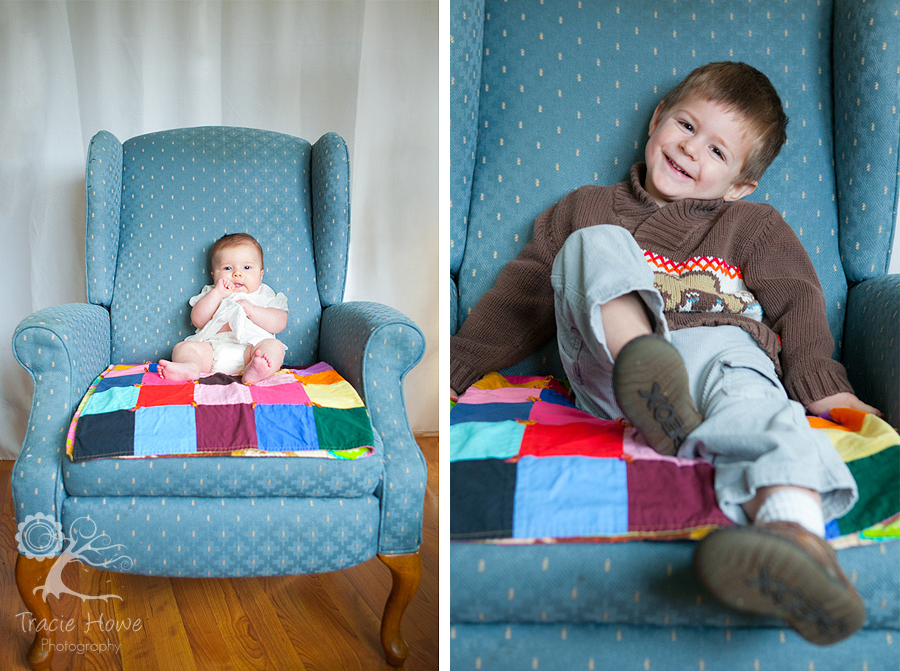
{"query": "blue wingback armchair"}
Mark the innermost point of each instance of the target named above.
(549, 95)
(155, 204)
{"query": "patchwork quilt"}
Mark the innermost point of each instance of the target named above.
(528, 466)
(130, 411)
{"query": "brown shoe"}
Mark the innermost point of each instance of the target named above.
(652, 389)
(783, 570)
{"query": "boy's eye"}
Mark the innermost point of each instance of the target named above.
(247, 267)
(718, 153)
(688, 127)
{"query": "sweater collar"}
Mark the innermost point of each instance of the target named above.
(637, 202)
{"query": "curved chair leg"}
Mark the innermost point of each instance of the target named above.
(31, 573)
(406, 571)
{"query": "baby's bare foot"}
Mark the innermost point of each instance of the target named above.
(177, 372)
(258, 369)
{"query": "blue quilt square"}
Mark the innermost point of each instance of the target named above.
(489, 412)
(570, 497)
(120, 381)
(286, 428)
(162, 430)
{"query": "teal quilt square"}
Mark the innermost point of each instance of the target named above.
(114, 398)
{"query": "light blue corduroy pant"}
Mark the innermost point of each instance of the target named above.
(752, 433)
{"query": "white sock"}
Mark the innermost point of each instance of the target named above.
(788, 505)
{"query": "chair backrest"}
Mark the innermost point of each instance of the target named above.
(548, 97)
(156, 203)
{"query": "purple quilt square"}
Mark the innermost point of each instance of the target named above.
(223, 428)
(284, 394)
(663, 496)
(222, 394)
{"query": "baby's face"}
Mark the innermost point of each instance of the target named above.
(240, 265)
(696, 150)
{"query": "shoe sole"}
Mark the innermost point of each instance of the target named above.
(763, 573)
(648, 375)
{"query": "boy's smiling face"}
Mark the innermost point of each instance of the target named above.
(239, 264)
(696, 150)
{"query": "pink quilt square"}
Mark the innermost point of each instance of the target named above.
(222, 394)
(119, 371)
(284, 394)
(275, 380)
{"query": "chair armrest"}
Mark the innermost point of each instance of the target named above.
(872, 344)
(63, 348)
(373, 347)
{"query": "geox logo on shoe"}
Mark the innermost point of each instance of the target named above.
(800, 607)
(664, 414)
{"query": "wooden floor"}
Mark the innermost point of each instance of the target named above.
(315, 622)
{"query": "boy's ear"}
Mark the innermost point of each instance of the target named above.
(654, 122)
(740, 190)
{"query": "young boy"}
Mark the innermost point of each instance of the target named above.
(669, 289)
(236, 317)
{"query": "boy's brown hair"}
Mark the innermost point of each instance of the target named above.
(745, 90)
(232, 240)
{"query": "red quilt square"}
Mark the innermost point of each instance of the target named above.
(169, 394)
(586, 439)
(222, 428)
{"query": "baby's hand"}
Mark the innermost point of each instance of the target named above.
(224, 287)
(248, 309)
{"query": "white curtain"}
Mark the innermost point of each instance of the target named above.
(366, 69)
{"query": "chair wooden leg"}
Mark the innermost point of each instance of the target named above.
(31, 573)
(406, 571)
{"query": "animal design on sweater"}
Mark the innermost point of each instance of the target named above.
(702, 284)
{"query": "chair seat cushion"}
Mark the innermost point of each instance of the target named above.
(642, 583)
(527, 464)
(134, 434)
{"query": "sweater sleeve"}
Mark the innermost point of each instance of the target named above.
(781, 275)
(516, 316)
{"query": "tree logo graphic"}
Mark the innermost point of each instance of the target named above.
(41, 537)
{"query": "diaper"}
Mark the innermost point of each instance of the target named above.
(228, 357)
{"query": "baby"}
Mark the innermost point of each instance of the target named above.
(236, 317)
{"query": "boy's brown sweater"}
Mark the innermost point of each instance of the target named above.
(516, 316)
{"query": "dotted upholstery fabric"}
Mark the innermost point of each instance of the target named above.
(181, 191)
(567, 92)
(331, 215)
(392, 346)
(155, 205)
(231, 537)
(867, 136)
(872, 355)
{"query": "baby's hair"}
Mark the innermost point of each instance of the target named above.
(232, 240)
(743, 89)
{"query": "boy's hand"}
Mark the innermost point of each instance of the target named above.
(224, 287)
(248, 309)
(842, 400)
